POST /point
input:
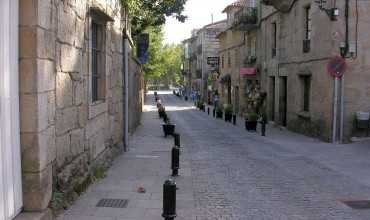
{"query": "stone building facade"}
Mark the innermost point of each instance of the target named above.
(232, 54)
(73, 90)
(202, 46)
(189, 64)
(207, 47)
(297, 39)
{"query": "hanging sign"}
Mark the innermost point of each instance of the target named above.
(337, 66)
(213, 61)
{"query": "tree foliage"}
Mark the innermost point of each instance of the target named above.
(154, 67)
(172, 63)
(147, 13)
(164, 60)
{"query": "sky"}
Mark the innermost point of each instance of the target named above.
(199, 14)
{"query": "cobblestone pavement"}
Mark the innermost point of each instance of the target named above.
(146, 164)
(230, 174)
(242, 176)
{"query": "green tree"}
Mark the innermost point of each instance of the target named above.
(164, 64)
(172, 63)
(155, 68)
(147, 13)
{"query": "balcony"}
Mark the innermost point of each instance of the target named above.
(246, 18)
(281, 5)
(199, 49)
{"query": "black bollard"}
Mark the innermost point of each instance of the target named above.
(169, 200)
(175, 162)
(234, 119)
(263, 128)
(177, 139)
(214, 112)
(208, 110)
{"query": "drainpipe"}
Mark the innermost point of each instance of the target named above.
(335, 111)
(341, 132)
(125, 93)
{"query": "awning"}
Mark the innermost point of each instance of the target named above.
(248, 71)
(225, 78)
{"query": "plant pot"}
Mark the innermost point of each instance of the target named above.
(219, 114)
(251, 125)
(161, 114)
(168, 129)
(228, 117)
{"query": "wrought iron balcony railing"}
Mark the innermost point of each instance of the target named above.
(246, 18)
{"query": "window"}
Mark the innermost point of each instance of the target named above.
(98, 61)
(274, 39)
(253, 43)
(237, 61)
(228, 59)
(308, 23)
(308, 28)
(306, 92)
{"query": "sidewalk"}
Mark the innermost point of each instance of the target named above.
(147, 164)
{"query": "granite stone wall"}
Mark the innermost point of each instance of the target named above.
(64, 134)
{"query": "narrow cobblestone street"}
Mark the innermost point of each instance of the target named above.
(230, 174)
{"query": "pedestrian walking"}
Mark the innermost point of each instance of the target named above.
(215, 99)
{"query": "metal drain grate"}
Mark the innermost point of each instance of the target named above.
(358, 204)
(112, 203)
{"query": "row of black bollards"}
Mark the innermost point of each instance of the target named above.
(169, 186)
(169, 200)
(263, 121)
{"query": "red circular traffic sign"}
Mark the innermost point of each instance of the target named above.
(337, 66)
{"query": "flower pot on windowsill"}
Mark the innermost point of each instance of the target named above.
(168, 129)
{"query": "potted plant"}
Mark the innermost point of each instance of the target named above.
(168, 128)
(161, 111)
(251, 121)
(219, 112)
(228, 109)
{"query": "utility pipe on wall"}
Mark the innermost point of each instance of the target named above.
(125, 93)
(341, 129)
(335, 110)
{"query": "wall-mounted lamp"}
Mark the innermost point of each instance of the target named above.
(333, 13)
(347, 50)
(343, 49)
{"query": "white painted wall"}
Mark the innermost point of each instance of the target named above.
(10, 161)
